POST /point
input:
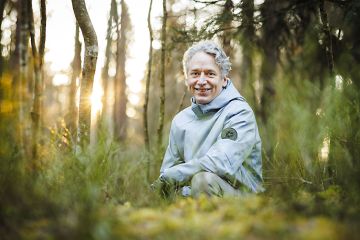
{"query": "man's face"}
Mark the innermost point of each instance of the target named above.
(204, 78)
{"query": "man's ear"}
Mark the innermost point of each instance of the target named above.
(225, 81)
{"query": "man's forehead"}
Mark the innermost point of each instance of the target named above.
(202, 62)
(203, 68)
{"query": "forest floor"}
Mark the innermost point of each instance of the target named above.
(252, 217)
(97, 197)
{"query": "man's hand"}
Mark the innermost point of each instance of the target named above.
(162, 186)
(157, 184)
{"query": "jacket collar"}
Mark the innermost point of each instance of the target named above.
(227, 94)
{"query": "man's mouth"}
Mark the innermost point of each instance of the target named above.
(202, 89)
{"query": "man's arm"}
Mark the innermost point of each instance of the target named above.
(172, 156)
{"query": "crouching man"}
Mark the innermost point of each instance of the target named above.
(214, 145)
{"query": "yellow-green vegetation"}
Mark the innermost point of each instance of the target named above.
(104, 194)
(252, 217)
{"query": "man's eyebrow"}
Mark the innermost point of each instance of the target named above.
(205, 70)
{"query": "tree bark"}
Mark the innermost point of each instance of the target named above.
(327, 33)
(105, 70)
(248, 39)
(76, 68)
(37, 66)
(88, 71)
(271, 52)
(227, 18)
(2, 7)
(42, 32)
(120, 116)
(43, 19)
(146, 103)
(162, 81)
(23, 41)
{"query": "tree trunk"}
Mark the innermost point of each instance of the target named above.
(2, 7)
(105, 70)
(146, 103)
(248, 39)
(162, 81)
(23, 71)
(227, 18)
(43, 20)
(271, 52)
(120, 79)
(328, 41)
(37, 66)
(88, 71)
(76, 68)
(42, 32)
(2, 93)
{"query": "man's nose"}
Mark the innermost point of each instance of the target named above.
(202, 78)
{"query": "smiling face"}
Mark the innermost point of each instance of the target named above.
(204, 78)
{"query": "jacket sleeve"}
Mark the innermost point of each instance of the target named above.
(173, 167)
(226, 157)
(172, 156)
(183, 172)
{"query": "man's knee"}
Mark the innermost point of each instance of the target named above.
(202, 178)
(203, 182)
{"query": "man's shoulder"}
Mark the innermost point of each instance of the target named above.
(184, 116)
(238, 105)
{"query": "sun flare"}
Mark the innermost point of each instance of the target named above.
(96, 96)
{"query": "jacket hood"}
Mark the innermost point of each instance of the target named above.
(227, 94)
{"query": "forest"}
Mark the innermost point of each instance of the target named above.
(75, 168)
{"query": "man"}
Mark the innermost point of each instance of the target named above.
(214, 145)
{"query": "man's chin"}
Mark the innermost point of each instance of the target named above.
(202, 100)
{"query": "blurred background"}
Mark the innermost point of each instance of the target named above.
(86, 104)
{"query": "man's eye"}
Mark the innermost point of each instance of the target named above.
(211, 74)
(194, 74)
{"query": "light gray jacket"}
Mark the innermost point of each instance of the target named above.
(219, 137)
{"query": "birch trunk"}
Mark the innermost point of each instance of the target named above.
(76, 68)
(120, 118)
(88, 71)
(162, 81)
(146, 103)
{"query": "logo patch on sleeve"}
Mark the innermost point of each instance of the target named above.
(229, 133)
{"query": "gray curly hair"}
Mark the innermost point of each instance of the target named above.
(211, 48)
